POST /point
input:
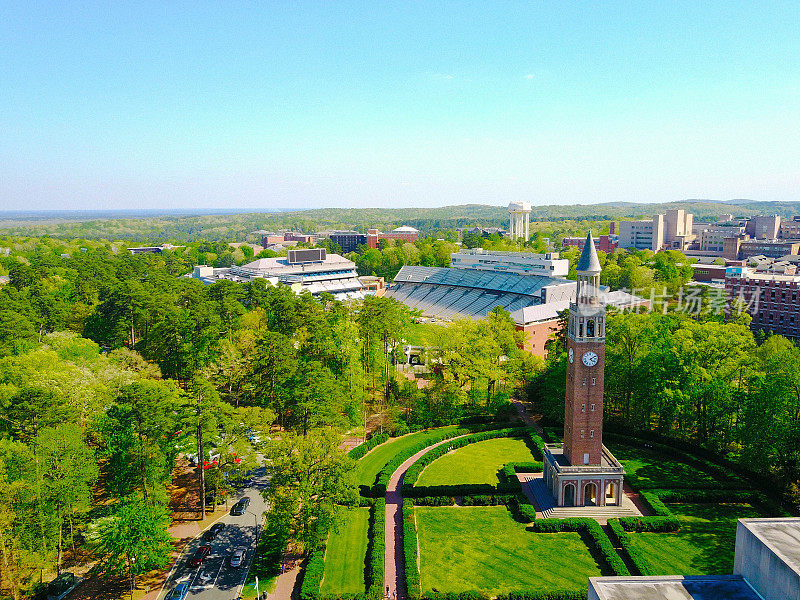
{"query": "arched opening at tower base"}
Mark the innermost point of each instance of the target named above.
(611, 494)
(569, 495)
(590, 495)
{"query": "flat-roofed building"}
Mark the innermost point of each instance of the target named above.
(606, 243)
(522, 263)
(772, 300)
(766, 566)
(348, 240)
(312, 270)
(763, 227)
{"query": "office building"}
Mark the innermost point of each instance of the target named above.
(348, 240)
(763, 227)
(606, 243)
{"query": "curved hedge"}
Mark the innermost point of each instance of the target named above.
(362, 449)
(382, 480)
(509, 484)
(550, 595)
(592, 529)
(410, 550)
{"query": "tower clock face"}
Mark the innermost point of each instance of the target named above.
(589, 359)
(571, 355)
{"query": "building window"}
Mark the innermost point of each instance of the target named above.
(592, 406)
(590, 328)
(591, 433)
(580, 330)
(584, 381)
(594, 380)
(583, 408)
(583, 433)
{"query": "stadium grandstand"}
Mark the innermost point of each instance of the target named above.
(466, 293)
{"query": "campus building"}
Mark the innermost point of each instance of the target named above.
(773, 300)
(606, 243)
(404, 234)
(672, 230)
(766, 566)
(582, 471)
(348, 240)
(522, 263)
(312, 270)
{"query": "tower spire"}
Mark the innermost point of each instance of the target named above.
(589, 263)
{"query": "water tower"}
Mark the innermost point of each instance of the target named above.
(519, 214)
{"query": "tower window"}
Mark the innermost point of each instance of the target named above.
(580, 330)
(590, 328)
(584, 381)
(594, 380)
(583, 433)
(583, 408)
(592, 406)
(591, 433)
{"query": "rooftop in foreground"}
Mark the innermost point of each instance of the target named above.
(672, 587)
(781, 535)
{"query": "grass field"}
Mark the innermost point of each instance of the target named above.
(648, 470)
(369, 466)
(483, 548)
(475, 463)
(703, 546)
(345, 554)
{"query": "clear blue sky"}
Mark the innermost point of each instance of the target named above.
(304, 104)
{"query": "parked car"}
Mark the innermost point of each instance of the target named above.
(212, 532)
(238, 509)
(199, 556)
(237, 557)
(178, 592)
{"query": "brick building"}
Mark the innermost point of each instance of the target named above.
(606, 243)
(772, 300)
(404, 233)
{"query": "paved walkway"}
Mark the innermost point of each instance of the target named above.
(287, 580)
(394, 561)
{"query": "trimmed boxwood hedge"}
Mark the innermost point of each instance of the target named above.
(362, 449)
(312, 576)
(637, 558)
(592, 529)
(382, 480)
(509, 484)
(468, 595)
(376, 550)
(549, 595)
(410, 550)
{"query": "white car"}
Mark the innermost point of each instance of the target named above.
(237, 557)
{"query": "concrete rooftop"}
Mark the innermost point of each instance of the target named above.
(671, 587)
(781, 535)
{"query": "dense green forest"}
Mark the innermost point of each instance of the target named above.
(178, 228)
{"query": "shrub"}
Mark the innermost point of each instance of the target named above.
(312, 576)
(413, 473)
(590, 528)
(468, 595)
(637, 558)
(362, 449)
(401, 429)
(376, 550)
(652, 524)
(435, 501)
(549, 595)
(410, 550)
(527, 513)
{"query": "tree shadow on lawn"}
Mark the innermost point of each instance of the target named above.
(712, 529)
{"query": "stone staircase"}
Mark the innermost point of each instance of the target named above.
(546, 505)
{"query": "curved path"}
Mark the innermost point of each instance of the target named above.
(394, 560)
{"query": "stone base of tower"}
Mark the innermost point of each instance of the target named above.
(582, 485)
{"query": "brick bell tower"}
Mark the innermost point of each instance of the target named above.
(583, 415)
(582, 472)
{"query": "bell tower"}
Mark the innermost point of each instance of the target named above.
(583, 412)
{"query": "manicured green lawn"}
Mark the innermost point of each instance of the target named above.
(483, 548)
(369, 466)
(346, 552)
(475, 463)
(703, 546)
(647, 470)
